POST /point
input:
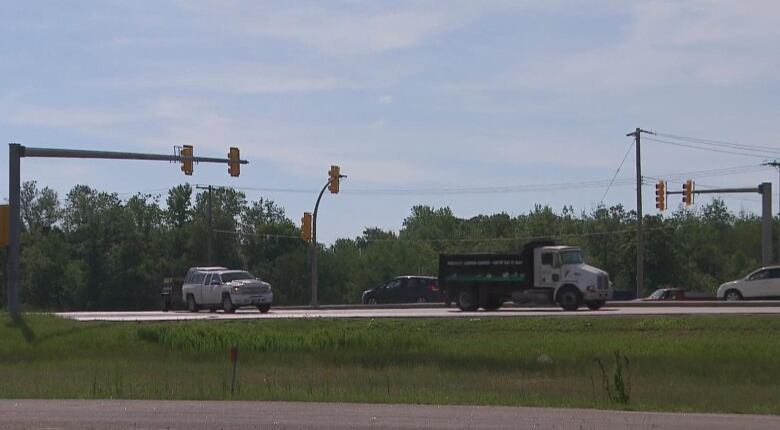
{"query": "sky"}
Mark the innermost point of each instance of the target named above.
(485, 107)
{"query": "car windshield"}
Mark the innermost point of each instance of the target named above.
(571, 257)
(657, 294)
(236, 276)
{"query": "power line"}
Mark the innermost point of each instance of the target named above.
(767, 154)
(616, 173)
(718, 142)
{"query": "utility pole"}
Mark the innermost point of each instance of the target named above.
(640, 244)
(210, 226)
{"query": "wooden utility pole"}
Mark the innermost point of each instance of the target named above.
(640, 244)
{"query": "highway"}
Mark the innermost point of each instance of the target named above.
(429, 311)
(196, 415)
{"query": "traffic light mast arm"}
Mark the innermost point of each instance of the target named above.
(314, 215)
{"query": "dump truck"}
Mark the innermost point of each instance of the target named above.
(555, 273)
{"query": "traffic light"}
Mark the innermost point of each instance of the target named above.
(186, 165)
(660, 195)
(688, 192)
(335, 174)
(234, 165)
(306, 227)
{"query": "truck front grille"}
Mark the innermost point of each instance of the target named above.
(261, 289)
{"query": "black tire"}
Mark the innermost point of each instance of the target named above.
(732, 295)
(264, 308)
(467, 300)
(569, 298)
(371, 301)
(493, 303)
(595, 305)
(421, 300)
(165, 304)
(191, 305)
(227, 304)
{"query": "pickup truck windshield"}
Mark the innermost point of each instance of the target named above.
(571, 257)
(236, 276)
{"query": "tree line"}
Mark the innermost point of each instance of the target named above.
(94, 250)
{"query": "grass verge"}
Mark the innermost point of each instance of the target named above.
(690, 363)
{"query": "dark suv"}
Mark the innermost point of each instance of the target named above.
(405, 289)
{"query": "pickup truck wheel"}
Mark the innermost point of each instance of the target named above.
(264, 308)
(569, 298)
(227, 304)
(596, 305)
(191, 305)
(467, 300)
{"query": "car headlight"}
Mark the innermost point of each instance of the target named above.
(236, 289)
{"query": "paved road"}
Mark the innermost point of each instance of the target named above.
(421, 312)
(196, 415)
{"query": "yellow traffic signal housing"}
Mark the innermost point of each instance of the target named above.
(335, 175)
(234, 165)
(660, 195)
(5, 219)
(306, 227)
(688, 192)
(186, 165)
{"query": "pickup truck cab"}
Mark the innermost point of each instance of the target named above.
(215, 287)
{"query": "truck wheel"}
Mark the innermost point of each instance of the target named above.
(264, 308)
(569, 298)
(191, 305)
(594, 306)
(227, 304)
(493, 303)
(467, 300)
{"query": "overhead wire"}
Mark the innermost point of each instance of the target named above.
(764, 155)
(616, 173)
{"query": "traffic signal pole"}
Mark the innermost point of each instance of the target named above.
(765, 189)
(16, 152)
(313, 248)
(333, 185)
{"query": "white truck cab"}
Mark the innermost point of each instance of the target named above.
(562, 269)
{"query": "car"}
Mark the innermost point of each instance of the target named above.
(763, 283)
(219, 287)
(405, 289)
(666, 294)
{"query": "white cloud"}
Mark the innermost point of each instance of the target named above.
(363, 29)
(664, 43)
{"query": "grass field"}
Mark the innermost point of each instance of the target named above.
(713, 364)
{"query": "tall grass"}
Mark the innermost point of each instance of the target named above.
(728, 363)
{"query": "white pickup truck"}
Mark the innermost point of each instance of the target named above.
(215, 287)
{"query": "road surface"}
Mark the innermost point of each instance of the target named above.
(428, 312)
(239, 415)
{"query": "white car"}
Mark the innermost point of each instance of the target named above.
(764, 283)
